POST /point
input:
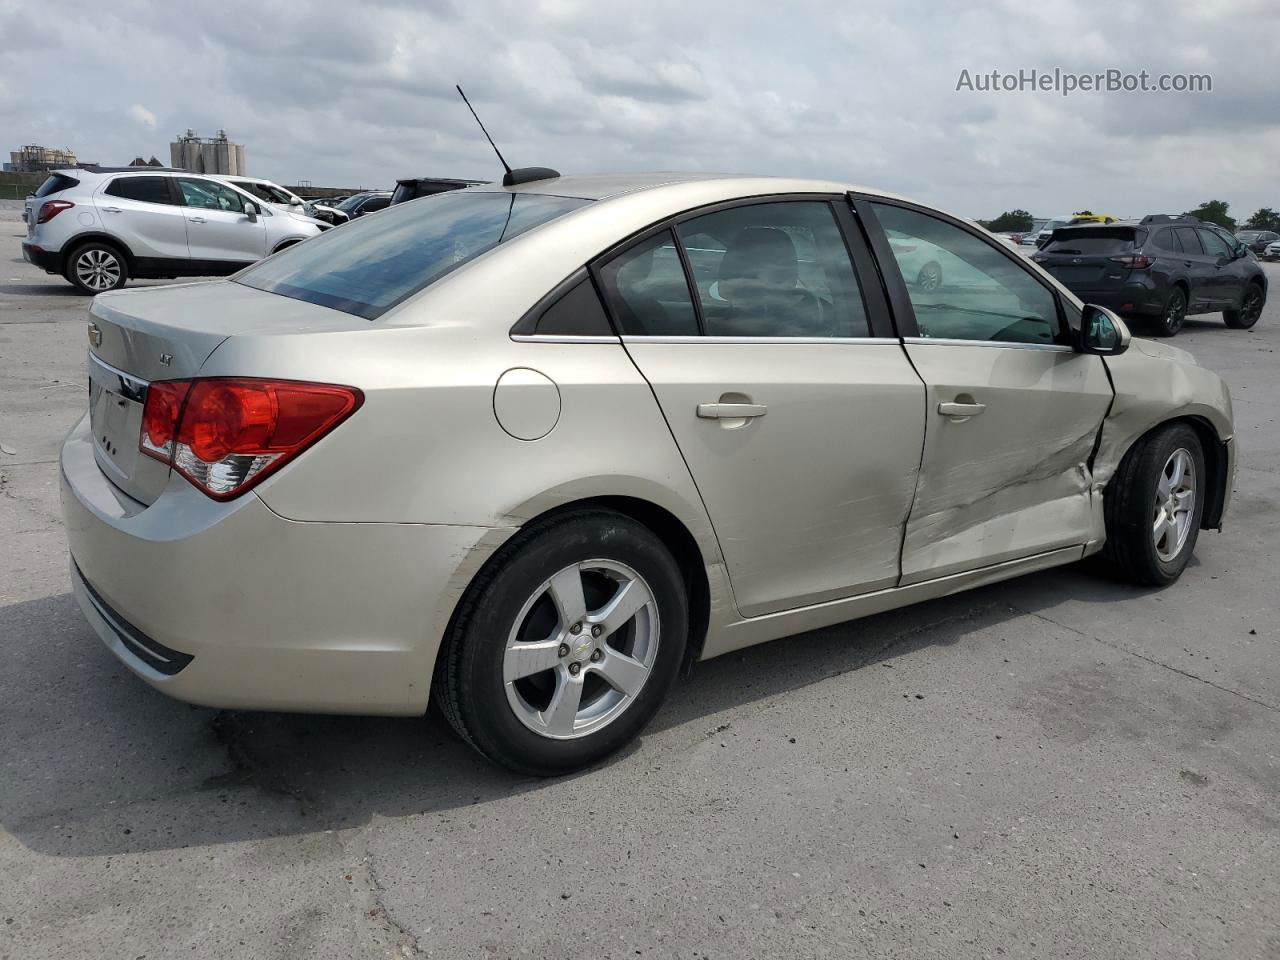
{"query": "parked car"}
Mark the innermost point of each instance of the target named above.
(415, 187)
(1088, 216)
(100, 226)
(1272, 252)
(361, 203)
(284, 199)
(440, 409)
(1257, 240)
(1051, 225)
(1164, 268)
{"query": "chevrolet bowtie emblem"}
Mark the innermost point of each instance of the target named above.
(95, 335)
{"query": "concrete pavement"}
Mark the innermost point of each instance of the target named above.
(1052, 767)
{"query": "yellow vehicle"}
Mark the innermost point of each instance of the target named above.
(1088, 216)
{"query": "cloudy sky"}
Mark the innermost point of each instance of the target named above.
(358, 93)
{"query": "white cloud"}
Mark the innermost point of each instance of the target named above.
(362, 94)
(144, 116)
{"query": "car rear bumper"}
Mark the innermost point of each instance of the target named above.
(1131, 298)
(49, 260)
(231, 605)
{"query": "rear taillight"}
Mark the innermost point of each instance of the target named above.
(51, 208)
(225, 434)
(1134, 261)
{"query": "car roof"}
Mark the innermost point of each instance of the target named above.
(605, 186)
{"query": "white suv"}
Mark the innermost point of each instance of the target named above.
(99, 226)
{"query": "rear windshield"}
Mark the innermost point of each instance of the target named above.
(1083, 241)
(372, 264)
(56, 183)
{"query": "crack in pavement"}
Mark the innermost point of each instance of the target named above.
(406, 943)
(1151, 660)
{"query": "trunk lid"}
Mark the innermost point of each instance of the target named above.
(167, 333)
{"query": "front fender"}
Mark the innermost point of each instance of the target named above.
(1154, 385)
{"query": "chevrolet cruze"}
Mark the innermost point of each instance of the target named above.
(525, 449)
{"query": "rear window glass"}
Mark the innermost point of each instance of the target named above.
(56, 183)
(144, 189)
(1084, 241)
(370, 265)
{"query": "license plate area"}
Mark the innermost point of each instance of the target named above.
(116, 402)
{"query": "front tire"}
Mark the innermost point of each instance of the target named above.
(563, 649)
(1153, 505)
(1251, 305)
(96, 267)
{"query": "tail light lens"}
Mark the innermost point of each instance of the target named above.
(51, 208)
(225, 434)
(1134, 261)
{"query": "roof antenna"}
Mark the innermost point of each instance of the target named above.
(520, 174)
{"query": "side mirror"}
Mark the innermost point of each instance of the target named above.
(251, 211)
(1102, 332)
(295, 201)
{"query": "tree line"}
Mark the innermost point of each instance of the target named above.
(1211, 211)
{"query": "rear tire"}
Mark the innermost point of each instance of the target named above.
(522, 676)
(96, 267)
(1174, 314)
(1251, 305)
(1153, 505)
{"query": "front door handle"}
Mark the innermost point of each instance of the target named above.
(197, 220)
(111, 209)
(961, 409)
(731, 411)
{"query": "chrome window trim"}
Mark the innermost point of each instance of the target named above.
(126, 384)
(695, 339)
(1007, 344)
(563, 338)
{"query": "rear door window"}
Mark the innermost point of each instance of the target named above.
(142, 189)
(1188, 240)
(774, 270)
(646, 286)
(369, 266)
(375, 203)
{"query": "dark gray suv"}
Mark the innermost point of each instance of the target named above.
(1164, 268)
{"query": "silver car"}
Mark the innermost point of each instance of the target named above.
(97, 227)
(526, 450)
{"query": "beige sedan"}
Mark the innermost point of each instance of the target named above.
(524, 450)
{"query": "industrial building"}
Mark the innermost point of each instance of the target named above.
(34, 158)
(215, 154)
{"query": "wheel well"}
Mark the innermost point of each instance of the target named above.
(286, 243)
(1215, 464)
(677, 538)
(75, 243)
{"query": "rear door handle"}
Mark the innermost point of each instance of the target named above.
(731, 411)
(961, 409)
(197, 220)
(111, 209)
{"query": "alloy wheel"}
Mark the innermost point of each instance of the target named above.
(1175, 504)
(98, 269)
(581, 649)
(1251, 309)
(930, 277)
(1176, 312)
